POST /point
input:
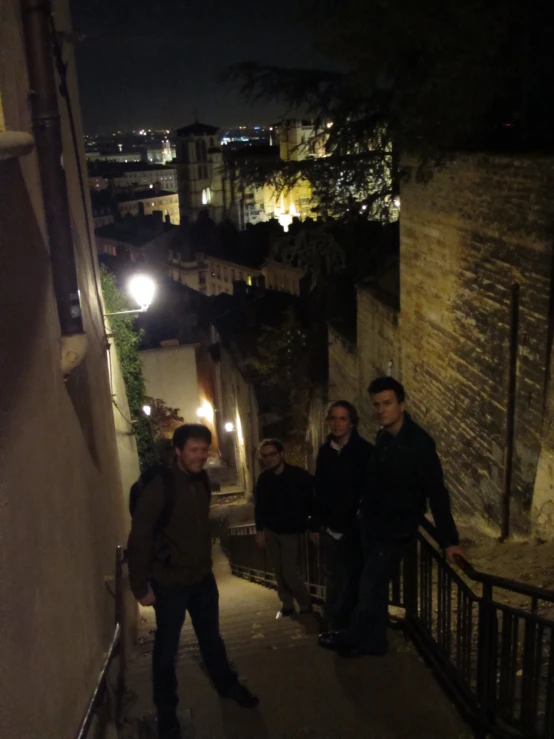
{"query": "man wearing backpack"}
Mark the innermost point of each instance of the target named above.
(170, 568)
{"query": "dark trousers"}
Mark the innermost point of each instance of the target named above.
(343, 562)
(369, 620)
(201, 600)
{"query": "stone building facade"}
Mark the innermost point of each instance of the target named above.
(482, 226)
(67, 452)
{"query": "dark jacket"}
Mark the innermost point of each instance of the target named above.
(181, 554)
(405, 472)
(283, 503)
(340, 479)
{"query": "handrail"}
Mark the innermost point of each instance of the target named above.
(496, 661)
(115, 649)
(100, 685)
(494, 581)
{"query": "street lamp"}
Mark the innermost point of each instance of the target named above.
(147, 410)
(142, 289)
(229, 426)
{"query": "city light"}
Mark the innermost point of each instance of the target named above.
(147, 410)
(229, 426)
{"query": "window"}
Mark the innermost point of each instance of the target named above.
(201, 278)
(225, 275)
(232, 275)
(218, 271)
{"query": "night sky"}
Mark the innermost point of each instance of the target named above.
(157, 63)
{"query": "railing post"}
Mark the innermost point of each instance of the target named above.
(486, 658)
(410, 581)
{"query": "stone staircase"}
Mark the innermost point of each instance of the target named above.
(305, 692)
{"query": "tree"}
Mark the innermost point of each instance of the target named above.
(416, 77)
(163, 419)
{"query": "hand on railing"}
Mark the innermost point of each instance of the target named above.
(455, 553)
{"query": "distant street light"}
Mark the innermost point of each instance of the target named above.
(147, 410)
(142, 289)
(229, 426)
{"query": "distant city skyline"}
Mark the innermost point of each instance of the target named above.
(158, 65)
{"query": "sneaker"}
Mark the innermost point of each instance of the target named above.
(284, 612)
(169, 726)
(240, 693)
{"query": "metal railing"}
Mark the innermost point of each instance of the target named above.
(115, 650)
(495, 660)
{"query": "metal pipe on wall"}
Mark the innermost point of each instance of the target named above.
(510, 413)
(48, 140)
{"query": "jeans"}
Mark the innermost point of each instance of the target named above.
(201, 600)
(343, 561)
(368, 624)
(284, 550)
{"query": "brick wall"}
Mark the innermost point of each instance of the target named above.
(479, 226)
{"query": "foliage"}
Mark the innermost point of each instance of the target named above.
(285, 360)
(127, 340)
(163, 419)
(420, 77)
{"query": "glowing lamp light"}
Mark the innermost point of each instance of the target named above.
(147, 410)
(397, 202)
(142, 289)
(229, 426)
(206, 411)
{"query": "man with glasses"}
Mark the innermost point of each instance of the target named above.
(283, 502)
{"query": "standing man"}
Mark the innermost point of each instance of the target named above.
(340, 478)
(405, 473)
(170, 568)
(283, 500)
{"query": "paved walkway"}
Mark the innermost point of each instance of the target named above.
(305, 692)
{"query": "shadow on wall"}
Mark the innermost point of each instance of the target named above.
(25, 291)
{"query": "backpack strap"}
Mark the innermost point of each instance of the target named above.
(170, 493)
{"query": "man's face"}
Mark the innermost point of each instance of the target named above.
(339, 422)
(387, 408)
(271, 457)
(193, 456)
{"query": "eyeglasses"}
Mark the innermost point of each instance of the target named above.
(268, 455)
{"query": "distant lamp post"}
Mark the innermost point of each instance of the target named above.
(229, 426)
(147, 410)
(142, 289)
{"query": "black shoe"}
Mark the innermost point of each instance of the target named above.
(285, 612)
(240, 693)
(331, 640)
(169, 726)
(356, 652)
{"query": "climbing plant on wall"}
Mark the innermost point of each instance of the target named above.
(127, 339)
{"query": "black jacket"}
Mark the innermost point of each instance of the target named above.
(283, 503)
(405, 472)
(340, 480)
